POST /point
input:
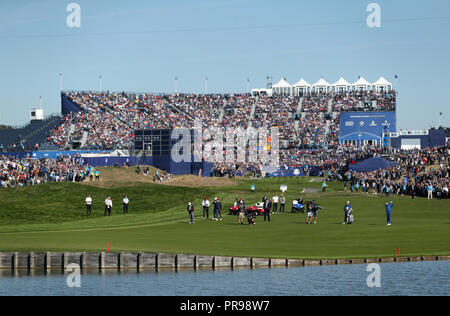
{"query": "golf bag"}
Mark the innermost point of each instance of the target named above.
(350, 218)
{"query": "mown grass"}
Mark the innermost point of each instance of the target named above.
(51, 217)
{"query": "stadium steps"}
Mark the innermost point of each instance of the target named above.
(252, 115)
(222, 114)
(300, 105)
(222, 111)
(84, 139)
(34, 133)
(330, 106)
(71, 130)
(327, 127)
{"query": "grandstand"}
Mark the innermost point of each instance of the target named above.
(108, 120)
(312, 118)
(30, 135)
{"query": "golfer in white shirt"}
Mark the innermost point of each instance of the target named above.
(108, 206)
(205, 204)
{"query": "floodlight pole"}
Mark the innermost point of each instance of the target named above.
(60, 82)
(176, 85)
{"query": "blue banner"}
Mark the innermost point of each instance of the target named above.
(360, 126)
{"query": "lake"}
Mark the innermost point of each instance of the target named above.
(405, 278)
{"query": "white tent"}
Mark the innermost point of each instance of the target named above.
(282, 87)
(382, 85)
(361, 85)
(341, 85)
(321, 86)
(302, 87)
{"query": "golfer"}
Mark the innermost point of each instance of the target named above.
(389, 206)
(190, 209)
(275, 204)
(315, 208)
(309, 213)
(217, 209)
(205, 205)
(241, 215)
(267, 209)
(282, 203)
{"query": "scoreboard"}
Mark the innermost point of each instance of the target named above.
(159, 142)
(164, 147)
(155, 142)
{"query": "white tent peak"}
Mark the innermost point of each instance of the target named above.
(321, 82)
(302, 83)
(382, 82)
(341, 82)
(282, 84)
(361, 82)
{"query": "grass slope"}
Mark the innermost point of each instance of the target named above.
(51, 217)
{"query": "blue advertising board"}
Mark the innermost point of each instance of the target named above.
(366, 126)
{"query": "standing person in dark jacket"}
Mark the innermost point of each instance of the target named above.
(89, 205)
(413, 191)
(267, 209)
(190, 209)
(217, 209)
(108, 206)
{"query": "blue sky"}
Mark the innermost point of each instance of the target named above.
(141, 45)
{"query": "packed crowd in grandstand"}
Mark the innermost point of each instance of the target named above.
(310, 121)
(308, 124)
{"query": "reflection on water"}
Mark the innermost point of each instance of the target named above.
(409, 278)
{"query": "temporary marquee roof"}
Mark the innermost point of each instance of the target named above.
(341, 83)
(361, 82)
(321, 83)
(282, 84)
(302, 83)
(382, 82)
